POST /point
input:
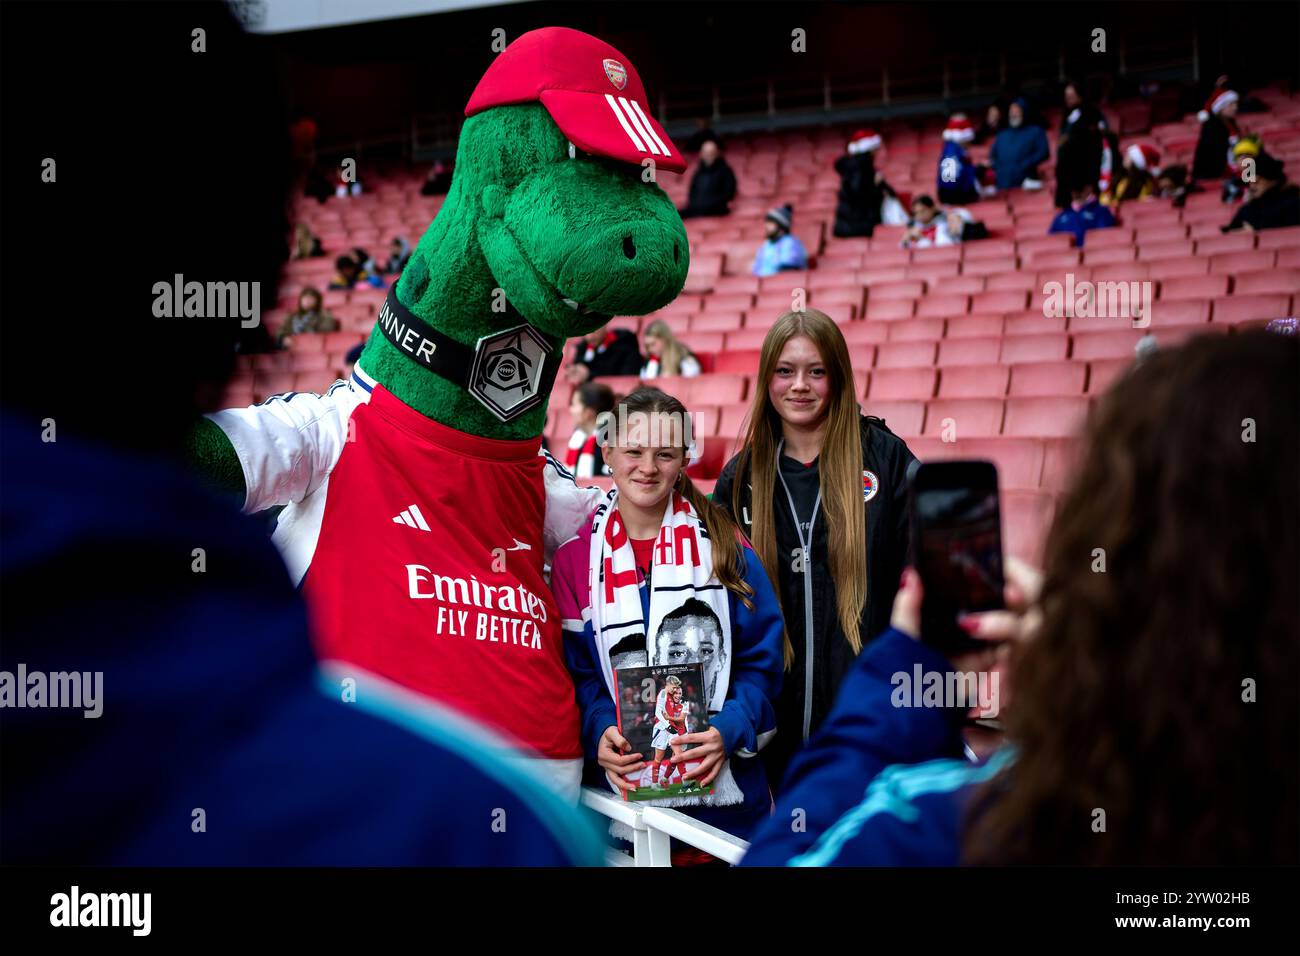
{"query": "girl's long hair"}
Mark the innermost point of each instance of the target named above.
(728, 559)
(840, 470)
(674, 352)
(1160, 689)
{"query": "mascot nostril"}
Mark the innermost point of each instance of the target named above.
(426, 564)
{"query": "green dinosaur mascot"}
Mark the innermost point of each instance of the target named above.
(419, 506)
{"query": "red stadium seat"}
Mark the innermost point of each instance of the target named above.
(1033, 322)
(714, 452)
(1011, 280)
(973, 381)
(1286, 281)
(889, 310)
(717, 389)
(1103, 372)
(939, 306)
(901, 384)
(904, 354)
(883, 291)
(1060, 462)
(964, 418)
(1035, 348)
(969, 351)
(1000, 300)
(903, 418)
(1044, 417)
(1178, 267)
(916, 330)
(740, 362)
(1175, 249)
(1048, 379)
(1288, 238)
(1232, 242)
(974, 326)
(1117, 343)
(1193, 287)
(1026, 516)
(1246, 308)
(1019, 460)
(864, 333)
(959, 285)
(988, 267)
(1233, 263)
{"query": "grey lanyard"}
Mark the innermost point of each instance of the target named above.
(805, 544)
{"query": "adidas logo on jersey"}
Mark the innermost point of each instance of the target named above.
(411, 517)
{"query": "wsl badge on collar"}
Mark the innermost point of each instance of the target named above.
(870, 485)
(507, 371)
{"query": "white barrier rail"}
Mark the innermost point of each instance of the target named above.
(652, 828)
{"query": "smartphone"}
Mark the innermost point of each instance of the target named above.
(956, 525)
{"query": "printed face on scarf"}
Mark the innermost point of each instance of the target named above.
(693, 639)
(644, 471)
(800, 387)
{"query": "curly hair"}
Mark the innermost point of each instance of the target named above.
(1162, 690)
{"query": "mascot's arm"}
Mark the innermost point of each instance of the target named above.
(276, 453)
(567, 505)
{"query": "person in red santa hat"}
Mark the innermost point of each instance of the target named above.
(958, 181)
(1137, 179)
(862, 188)
(1219, 131)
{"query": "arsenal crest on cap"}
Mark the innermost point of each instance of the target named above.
(617, 73)
(507, 371)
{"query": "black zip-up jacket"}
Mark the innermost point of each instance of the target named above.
(813, 626)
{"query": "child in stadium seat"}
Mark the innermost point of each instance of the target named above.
(929, 227)
(662, 552)
(1137, 180)
(780, 251)
(665, 355)
(309, 317)
(958, 179)
(827, 513)
(1085, 214)
(583, 456)
(1135, 736)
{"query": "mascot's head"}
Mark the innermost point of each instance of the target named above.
(554, 205)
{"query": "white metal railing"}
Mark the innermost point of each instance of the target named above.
(654, 827)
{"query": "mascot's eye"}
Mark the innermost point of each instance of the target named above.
(573, 151)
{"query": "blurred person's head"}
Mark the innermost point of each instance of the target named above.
(303, 240)
(1269, 174)
(1142, 156)
(590, 400)
(778, 221)
(863, 141)
(1016, 113)
(1071, 96)
(708, 152)
(1172, 178)
(347, 268)
(805, 383)
(1163, 690)
(993, 115)
(226, 115)
(662, 344)
(956, 219)
(924, 210)
(1222, 102)
(309, 299)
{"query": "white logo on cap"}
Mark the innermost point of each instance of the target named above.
(616, 72)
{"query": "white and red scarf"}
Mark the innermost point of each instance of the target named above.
(682, 569)
(580, 458)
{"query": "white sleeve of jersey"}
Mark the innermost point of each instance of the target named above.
(567, 505)
(289, 444)
(661, 705)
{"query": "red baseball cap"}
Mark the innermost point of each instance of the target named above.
(590, 89)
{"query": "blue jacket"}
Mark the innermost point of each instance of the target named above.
(1016, 153)
(1093, 215)
(961, 184)
(877, 785)
(211, 698)
(747, 715)
(775, 256)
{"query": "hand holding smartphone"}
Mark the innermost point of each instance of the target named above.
(956, 523)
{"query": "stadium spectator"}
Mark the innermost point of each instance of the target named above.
(665, 355)
(741, 673)
(1172, 183)
(713, 184)
(928, 227)
(1085, 214)
(1018, 150)
(306, 245)
(583, 456)
(1241, 157)
(1219, 131)
(212, 698)
(961, 226)
(605, 351)
(399, 253)
(958, 179)
(1137, 179)
(345, 184)
(309, 317)
(438, 180)
(992, 125)
(349, 273)
(808, 463)
(1274, 203)
(1084, 154)
(781, 250)
(1105, 681)
(862, 188)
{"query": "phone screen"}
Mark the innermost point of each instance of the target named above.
(957, 542)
